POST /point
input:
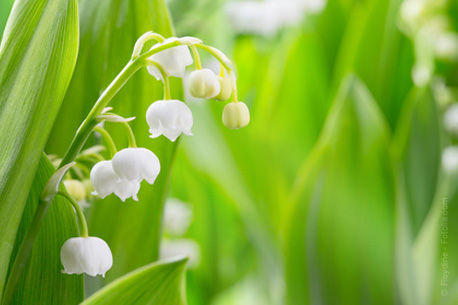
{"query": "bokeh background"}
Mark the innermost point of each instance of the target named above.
(342, 190)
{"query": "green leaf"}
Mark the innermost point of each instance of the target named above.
(42, 281)
(37, 58)
(159, 283)
(341, 233)
(109, 30)
(5, 8)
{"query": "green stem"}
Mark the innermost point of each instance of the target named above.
(24, 251)
(108, 140)
(82, 224)
(195, 53)
(165, 78)
(130, 134)
(91, 121)
(143, 39)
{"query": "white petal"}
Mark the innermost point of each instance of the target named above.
(136, 164)
(125, 189)
(174, 60)
(103, 179)
(89, 255)
(169, 118)
(203, 84)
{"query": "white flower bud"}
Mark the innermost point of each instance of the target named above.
(236, 115)
(450, 159)
(90, 255)
(169, 118)
(225, 91)
(174, 60)
(76, 189)
(105, 181)
(182, 247)
(136, 164)
(203, 83)
(451, 119)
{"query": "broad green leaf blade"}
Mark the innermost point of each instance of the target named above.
(37, 57)
(42, 281)
(341, 237)
(109, 30)
(160, 283)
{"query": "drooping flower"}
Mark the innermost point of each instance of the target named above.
(225, 91)
(174, 60)
(105, 182)
(203, 84)
(76, 189)
(169, 118)
(136, 164)
(90, 255)
(236, 115)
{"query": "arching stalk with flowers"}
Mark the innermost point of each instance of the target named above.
(123, 174)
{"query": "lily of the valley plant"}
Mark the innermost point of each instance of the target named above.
(128, 167)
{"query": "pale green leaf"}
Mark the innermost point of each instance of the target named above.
(341, 233)
(37, 57)
(160, 283)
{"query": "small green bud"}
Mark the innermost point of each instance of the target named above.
(76, 189)
(236, 115)
(203, 84)
(226, 89)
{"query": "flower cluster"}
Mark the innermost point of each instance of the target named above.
(123, 174)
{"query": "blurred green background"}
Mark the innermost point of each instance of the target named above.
(334, 194)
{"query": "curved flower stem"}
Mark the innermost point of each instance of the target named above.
(195, 53)
(165, 77)
(108, 140)
(143, 39)
(24, 250)
(130, 135)
(79, 213)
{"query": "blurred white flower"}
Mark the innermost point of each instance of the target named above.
(105, 182)
(267, 17)
(451, 119)
(90, 255)
(136, 164)
(169, 118)
(446, 46)
(177, 217)
(173, 60)
(181, 247)
(450, 159)
(203, 84)
(421, 75)
(236, 115)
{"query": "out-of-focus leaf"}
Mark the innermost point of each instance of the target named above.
(109, 30)
(418, 149)
(42, 281)
(37, 57)
(160, 283)
(341, 236)
(5, 8)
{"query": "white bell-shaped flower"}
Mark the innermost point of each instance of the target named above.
(90, 255)
(169, 118)
(203, 83)
(174, 60)
(136, 164)
(105, 182)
